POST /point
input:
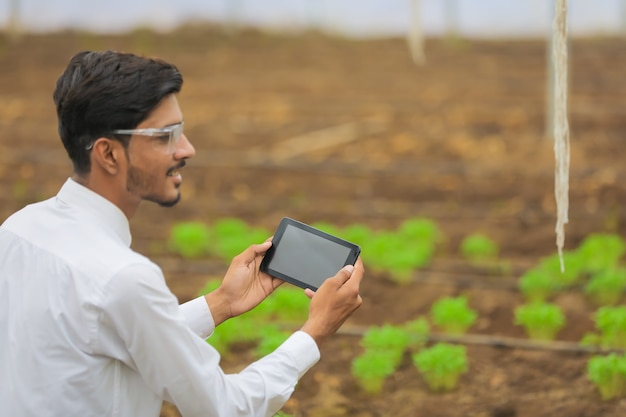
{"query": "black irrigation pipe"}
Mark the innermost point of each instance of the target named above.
(497, 341)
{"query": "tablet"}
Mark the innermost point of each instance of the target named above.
(305, 256)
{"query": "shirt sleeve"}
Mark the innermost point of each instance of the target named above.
(180, 366)
(198, 317)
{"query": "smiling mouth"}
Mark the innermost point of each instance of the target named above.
(176, 170)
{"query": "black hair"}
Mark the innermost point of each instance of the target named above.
(102, 91)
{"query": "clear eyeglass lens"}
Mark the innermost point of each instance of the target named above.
(175, 136)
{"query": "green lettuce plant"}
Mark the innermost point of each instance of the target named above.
(391, 253)
(608, 373)
(420, 229)
(611, 325)
(190, 239)
(441, 365)
(371, 368)
(357, 233)
(606, 287)
(417, 331)
(232, 236)
(328, 228)
(287, 304)
(573, 263)
(453, 315)
(600, 251)
(479, 249)
(542, 321)
(270, 338)
(387, 338)
(536, 285)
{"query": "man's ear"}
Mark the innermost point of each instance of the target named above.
(107, 154)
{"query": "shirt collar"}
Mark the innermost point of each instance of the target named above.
(109, 215)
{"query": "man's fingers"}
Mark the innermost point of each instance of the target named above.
(344, 274)
(357, 274)
(253, 251)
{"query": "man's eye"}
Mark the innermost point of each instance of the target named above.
(162, 138)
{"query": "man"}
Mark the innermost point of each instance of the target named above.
(88, 327)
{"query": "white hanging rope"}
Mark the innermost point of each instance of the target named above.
(561, 127)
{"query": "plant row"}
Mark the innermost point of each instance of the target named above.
(596, 265)
(440, 365)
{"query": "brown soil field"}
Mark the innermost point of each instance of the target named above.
(345, 131)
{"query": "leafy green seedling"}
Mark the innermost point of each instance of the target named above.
(190, 239)
(328, 228)
(420, 229)
(542, 321)
(371, 369)
(418, 332)
(388, 338)
(453, 315)
(390, 252)
(608, 373)
(357, 233)
(606, 287)
(288, 304)
(611, 322)
(232, 236)
(271, 337)
(405, 261)
(479, 248)
(536, 285)
(442, 365)
(601, 251)
(241, 329)
(573, 263)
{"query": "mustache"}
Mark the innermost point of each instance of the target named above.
(177, 167)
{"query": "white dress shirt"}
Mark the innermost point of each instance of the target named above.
(88, 327)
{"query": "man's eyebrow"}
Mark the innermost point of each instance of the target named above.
(173, 124)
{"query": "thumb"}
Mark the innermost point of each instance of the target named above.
(255, 250)
(344, 274)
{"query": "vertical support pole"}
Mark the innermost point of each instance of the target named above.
(549, 123)
(561, 126)
(452, 18)
(416, 34)
(233, 15)
(623, 18)
(14, 24)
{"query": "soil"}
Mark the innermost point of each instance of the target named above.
(344, 131)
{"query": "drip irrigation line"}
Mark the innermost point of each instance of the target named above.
(466, 280)
(497, 341)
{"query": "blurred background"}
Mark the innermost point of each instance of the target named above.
(360, 18)
(368, 113)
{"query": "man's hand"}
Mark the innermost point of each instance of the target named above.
(334, 302)
(244, 286)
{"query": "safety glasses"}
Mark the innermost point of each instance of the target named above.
(165, 139)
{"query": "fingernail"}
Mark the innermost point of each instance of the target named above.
(348, 268)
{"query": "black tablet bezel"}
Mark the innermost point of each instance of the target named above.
(355, 250)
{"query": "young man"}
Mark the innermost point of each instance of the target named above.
(88, 327)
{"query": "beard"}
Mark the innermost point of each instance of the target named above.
(139, 182)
